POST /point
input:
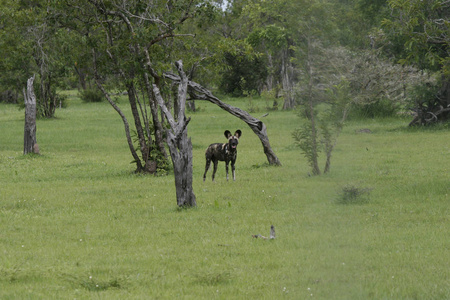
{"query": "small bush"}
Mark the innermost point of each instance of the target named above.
(8, 96)
(377, 109)
(91, 95)
(61, 100)
(351, 194)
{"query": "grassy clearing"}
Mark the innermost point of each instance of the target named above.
(76, 223)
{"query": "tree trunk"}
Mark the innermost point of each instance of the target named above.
(156, 123)
(269, 80)
(121, 114)
(258, 127)
(29, 141)
(287, 81)
(145, 151)
(314, 142)
(139, 166)
(181, 152)
(81, 76)
(180, 146)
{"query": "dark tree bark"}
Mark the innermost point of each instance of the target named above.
(29, 141)
(81, 76)
(180, 146)
(145, 142)
(159, 140)
(258, 127)
(47, 98)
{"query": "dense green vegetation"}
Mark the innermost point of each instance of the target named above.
(78, 223)
(332, 80)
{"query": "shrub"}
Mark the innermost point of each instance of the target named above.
(8, 96)
(351, 194)
(243, 74)
(91, 95)
(375, 109)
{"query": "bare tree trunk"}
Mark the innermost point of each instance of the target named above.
(180, 146)
(29, 141)
(258, 127)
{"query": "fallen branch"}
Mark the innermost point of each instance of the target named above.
(259, 128)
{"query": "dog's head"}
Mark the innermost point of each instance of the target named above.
(233, 140)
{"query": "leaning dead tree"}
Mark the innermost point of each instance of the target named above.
(29, 140)
(180, 146)
(259, 128)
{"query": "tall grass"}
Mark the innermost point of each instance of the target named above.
(77, 223)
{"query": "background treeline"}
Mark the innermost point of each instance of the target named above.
(392, 55)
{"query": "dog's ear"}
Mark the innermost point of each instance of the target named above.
(227, 133)
(238, 133)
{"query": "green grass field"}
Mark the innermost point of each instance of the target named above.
(77, 223)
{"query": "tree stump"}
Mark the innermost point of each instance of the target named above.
(29, 141)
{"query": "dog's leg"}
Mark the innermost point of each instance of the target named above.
(216, 162)
(226, 167)
(232, 170)
(208, 163)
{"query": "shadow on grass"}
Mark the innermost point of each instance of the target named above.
(441, 126)
(263, 165)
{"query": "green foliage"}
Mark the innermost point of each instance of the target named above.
(322, 104)
(15, 49)
(380, 108)
(154, 155)
(9, 96)
(163, 165)
(422, 28)
(245, 74)
(423, 94)
(272, 34)
(47, 99)
(322, 126)
(307, 143)
(91, 95)
(31, 44)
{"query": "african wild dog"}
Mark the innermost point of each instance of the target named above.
(224, 152)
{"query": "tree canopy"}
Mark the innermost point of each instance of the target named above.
(241, 47)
